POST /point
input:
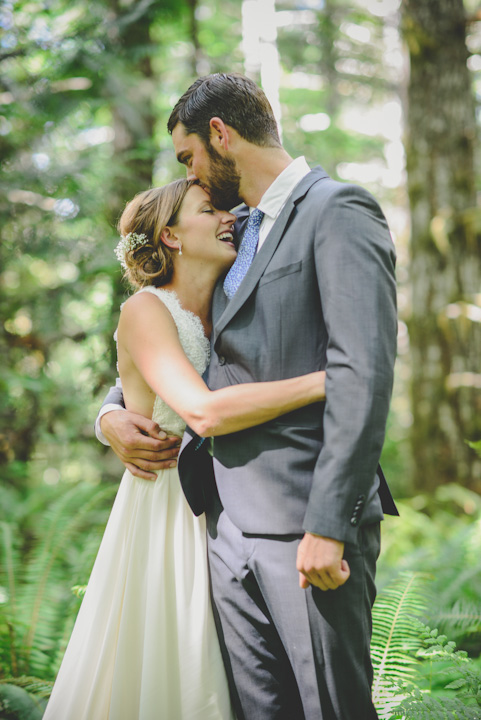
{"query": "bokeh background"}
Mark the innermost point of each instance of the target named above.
(383, 93)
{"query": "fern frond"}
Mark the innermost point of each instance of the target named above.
(69, 514)
(395, 637)
(9, 563)
(9, 623)
(421, 706)
(463, 682)
(35, 627)
(464, 618)
(37, 686)
(79, 590)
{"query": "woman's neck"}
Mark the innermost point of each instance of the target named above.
(195, 294)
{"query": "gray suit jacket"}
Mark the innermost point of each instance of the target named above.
(320, 294)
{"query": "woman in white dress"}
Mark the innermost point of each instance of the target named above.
(144, 646)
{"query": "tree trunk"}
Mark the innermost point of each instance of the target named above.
(445, 328)
(129, 89)
(259, 41)
(328, 30)
(199, 63)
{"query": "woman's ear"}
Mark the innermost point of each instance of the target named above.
(169, 238)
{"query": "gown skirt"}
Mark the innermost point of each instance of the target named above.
(144, 646)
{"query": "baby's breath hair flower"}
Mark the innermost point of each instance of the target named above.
(127, 243)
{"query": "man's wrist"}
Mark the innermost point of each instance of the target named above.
(103, 411)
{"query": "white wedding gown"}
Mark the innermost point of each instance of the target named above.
(144, 646)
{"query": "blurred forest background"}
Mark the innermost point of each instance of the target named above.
(383, 93)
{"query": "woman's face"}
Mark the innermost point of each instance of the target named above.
(206, 233)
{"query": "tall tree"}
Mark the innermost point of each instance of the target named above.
(77, 99)
(261, 57)
(445, 328)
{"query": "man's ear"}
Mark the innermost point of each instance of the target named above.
(169, 238)
(220, 135)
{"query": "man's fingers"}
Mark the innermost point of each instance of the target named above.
(167, 464)
(320, 560)
(323, 583)
(137, 441)
(148, 471)
(151, 456)
(150, 427)
(332, 578)
(150, 466)
(140, 473)
(303, 582)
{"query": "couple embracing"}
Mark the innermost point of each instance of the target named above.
(295, 335)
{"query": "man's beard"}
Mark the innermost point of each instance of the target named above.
(223, 181)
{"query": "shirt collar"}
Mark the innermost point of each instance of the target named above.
(276, 195)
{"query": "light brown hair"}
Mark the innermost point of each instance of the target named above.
(148, 214)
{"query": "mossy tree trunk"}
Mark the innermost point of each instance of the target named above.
(445, 327)
(129, 87)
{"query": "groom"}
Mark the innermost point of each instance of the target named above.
(293, 512)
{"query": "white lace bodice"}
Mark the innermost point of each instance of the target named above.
(196, 346)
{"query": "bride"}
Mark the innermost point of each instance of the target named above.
(144, 646)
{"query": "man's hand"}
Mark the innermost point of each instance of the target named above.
(320, 562)
(140, 443)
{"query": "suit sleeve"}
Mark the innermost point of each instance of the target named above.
(355, 262)
(113, 400)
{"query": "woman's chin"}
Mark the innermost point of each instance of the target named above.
(229, 254)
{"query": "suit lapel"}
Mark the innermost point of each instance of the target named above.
(264, 255)
(242, 214)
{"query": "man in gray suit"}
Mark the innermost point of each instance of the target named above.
(293, 506)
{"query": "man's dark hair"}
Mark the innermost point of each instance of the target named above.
(234, 98)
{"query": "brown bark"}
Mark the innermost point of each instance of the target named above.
(198, 59)
(130, 98)
(445, 332)
(328, 34)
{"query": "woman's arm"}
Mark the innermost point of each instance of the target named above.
(159, 357)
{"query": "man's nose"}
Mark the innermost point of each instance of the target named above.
(191, 174)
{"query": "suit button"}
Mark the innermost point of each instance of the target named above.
(221, 360)
(354, 521)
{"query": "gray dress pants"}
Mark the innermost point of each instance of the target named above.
(291, 654)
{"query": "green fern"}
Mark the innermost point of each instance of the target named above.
(463, 620)
(395, 638)
(403, 649)
(8, 628)
(420, 706)
(40, 688)
(39, 612)
(57, 528)
(463, 682)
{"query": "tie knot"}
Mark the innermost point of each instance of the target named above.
(255, 218)
(245, 254)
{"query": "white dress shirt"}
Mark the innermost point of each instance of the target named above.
(271, 204)
(277, 194)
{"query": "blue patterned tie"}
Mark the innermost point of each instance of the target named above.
(245, 255)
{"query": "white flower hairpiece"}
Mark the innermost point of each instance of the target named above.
(129, 242)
